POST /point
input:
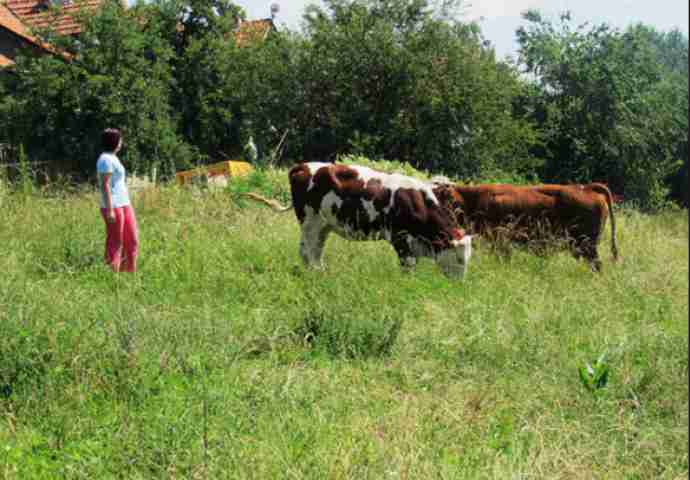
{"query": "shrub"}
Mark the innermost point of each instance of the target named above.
(352, 332)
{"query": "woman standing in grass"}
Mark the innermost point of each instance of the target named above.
(122, 242)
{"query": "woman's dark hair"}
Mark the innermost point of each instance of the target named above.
(110, 139)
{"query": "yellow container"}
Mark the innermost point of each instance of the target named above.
(229, 168)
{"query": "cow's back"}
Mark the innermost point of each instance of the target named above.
(498, 201)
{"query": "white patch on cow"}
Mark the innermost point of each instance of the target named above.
(328, 211)
(393, 182)
(329, 200)
(313, 168)
(466, 241)
(408, 263)
(314, 234)
(371, 210)
(454, 261)
(440, 180)
(365, 174)
(396, 181)
(331, 204)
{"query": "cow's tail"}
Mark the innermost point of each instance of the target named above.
(274, 204)
(604, 190)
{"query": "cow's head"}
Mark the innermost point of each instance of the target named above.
(454, 261)
(451, 200)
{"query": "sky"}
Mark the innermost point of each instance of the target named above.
(500, 18)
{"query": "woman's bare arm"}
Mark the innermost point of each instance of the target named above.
(105, 186)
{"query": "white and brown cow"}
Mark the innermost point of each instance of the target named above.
(359, 203)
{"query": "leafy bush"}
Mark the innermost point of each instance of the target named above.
(270, 182)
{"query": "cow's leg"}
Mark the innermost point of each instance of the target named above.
(589, 251)
(314, 235)
(585, 234)
(408, 263)
(407, 258)
(587, 248)
(318, 248)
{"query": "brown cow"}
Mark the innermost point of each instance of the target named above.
(576, 213)
(359, 203)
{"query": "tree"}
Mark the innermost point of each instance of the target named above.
(119, 76)
(398, 80)
(609, 110)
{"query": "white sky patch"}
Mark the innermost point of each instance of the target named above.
(502, 17)
(502, 8)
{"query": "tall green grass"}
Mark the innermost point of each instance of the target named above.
(224, 358)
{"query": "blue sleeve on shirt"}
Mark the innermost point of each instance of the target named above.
(104, 165)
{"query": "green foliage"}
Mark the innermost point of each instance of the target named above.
(119, 77)
(4, 187)
(408, 89)
(24, 359)
(269, 182)
(595, 377)
(609, 109)
(397, 80)
(200, 19)
(350, 330)
(25, 179)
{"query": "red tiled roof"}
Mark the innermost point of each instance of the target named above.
(5, 61)
(12, 23)
(37, 15)
(253, 30)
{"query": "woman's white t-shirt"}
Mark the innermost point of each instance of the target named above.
(109, 163)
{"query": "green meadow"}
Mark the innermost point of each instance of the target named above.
(223, 357)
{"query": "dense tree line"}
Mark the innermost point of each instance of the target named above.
(612, 106)
(393, 79)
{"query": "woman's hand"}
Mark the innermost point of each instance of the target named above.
(110, 215)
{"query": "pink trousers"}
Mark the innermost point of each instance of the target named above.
(122, 239)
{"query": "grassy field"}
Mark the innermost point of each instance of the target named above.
(224, 358)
